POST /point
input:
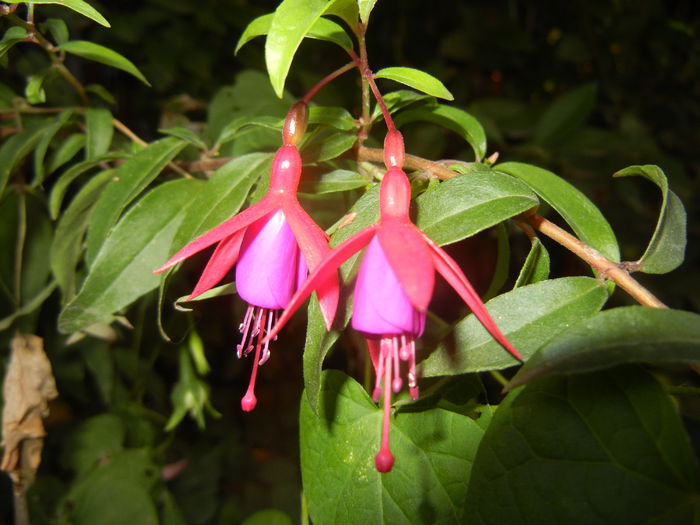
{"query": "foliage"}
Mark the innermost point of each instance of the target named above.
(125, 134)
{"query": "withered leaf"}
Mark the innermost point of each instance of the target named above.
(28, 387)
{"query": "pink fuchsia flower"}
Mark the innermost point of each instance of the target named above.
(273, 244)
(393, 288)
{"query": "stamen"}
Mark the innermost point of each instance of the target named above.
(377, 392)
(244, 327)
(384, 459)
(266, 349)
(403, 352)
(397, 382)
(412, 384)
(249, 400)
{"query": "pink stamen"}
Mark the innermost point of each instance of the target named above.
(384, 460)
(244, 328)
(396, 383)
(412, 379)
(249, 400)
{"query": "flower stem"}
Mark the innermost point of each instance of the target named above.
(328, 78)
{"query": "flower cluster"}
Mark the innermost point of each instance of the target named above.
(281, 256)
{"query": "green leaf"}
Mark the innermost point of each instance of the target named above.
(433, 451)
(79, 6)
(236, 127)
(66, 151)
(116, 492)
(123, 269)
(630, 334)
(99, 132)
(335, 181)
(292, 20)
(12, 36)
(329, 146)
(29, 306)
(566, 115)
(502, 266)
(468, 204)
(580, 449)
(452, 118)
(67, 177)
(323, 29)
(528, 316)
(222, 196)
(336, 117)
(187, 135)
(268, 517)
(346, 10)
(34, 90)
(130, 179)
(577, 210)
(58, 29)
(399, 99)
(103, 55)
(93, 442)
(666, 249)
(318, 343)
(416, 79)
(67, 246)
(43, 145)
(18, 146)
(536, 266)
(365, 8)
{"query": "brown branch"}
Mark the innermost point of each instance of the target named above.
(607, 268)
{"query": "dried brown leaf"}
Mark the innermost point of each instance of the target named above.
(28, 387)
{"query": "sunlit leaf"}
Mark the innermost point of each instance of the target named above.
(292, 20)
(417, 79)
(323, 29)
(666, 249)
(79, 6)
(365, 7)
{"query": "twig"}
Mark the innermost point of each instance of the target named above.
(607, 268)
(124, 129)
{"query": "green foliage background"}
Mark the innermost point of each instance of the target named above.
(625, 79)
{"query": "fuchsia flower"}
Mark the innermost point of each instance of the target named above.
(272, 244)
(393, 288)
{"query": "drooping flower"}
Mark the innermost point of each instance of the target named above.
(393, 288)
(273, 244)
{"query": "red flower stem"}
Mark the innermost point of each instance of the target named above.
(328, 78)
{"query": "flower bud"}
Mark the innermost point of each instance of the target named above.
(393, 149)
(295, 124)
